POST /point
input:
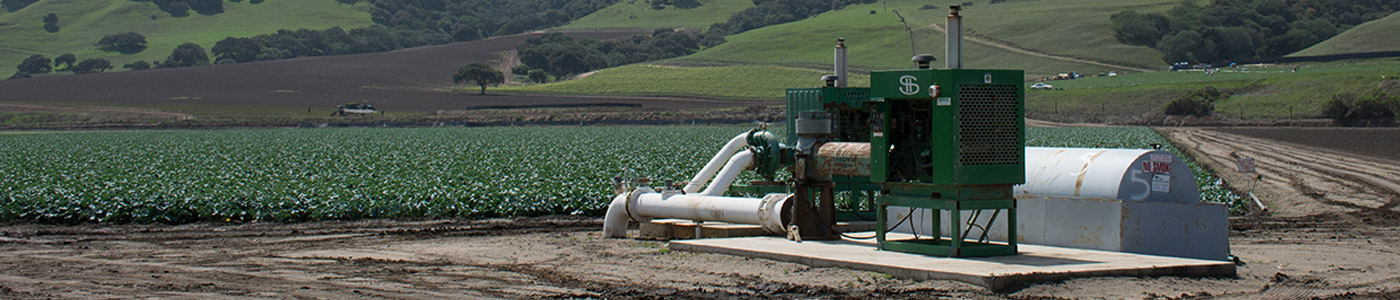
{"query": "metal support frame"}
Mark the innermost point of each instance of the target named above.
(957, 244)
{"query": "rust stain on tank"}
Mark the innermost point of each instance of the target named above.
(1088, 160)
(849, 159)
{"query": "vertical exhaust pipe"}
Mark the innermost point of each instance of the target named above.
(954, 45)
(841, 62)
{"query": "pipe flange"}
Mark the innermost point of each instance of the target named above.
(767, 210)
(632, 197)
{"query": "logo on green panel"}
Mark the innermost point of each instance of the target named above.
(909, 85)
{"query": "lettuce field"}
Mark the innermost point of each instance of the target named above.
(316, 174)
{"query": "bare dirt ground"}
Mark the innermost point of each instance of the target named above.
(1332, 234)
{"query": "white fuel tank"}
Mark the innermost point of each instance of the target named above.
(1124, 174)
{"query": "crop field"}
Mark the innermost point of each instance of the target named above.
(300, 174)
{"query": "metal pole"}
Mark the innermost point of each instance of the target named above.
(954, 42)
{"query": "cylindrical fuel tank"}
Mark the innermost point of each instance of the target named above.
(1125, 174)
(847, 159)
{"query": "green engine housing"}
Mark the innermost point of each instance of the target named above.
(948, 127)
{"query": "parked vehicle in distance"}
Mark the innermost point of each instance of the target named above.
(1041, 86)
(355, 109)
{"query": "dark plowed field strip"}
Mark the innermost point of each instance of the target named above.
(1381, 142)
(405, 80)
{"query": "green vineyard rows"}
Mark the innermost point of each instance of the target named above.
(301, 174)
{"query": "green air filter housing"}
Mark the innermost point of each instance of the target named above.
(948, 127)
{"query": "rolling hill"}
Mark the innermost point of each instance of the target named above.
(83, 22)
(640, 14)
(412, 81)
(1374, 36)
(877, 40)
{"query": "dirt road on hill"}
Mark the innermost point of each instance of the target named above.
(1332, 235)
(975, 38)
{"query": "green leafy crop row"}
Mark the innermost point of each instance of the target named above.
(299, 174)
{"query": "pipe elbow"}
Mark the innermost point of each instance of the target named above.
(615, 221)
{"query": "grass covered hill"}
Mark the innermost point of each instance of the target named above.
(878, 41)
(1374, 36)
(640, 14)
(1259, 92)
(84, 22)
(1067, 28)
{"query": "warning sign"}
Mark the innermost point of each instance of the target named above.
(1246, 164)
(1162, 183)
(1157, 167)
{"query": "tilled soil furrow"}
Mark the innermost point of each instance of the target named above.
(1345, 172)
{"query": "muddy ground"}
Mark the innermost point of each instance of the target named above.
(1331, 233)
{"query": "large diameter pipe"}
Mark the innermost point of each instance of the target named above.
(847, 159)
(645, 204)
(954, 40)
(718, 160)
(737, 164)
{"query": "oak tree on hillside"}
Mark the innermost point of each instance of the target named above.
(51, 22)
(67, 59)
(138, 65)
(538, 76)
(178, 9)
(36, 64)
(92, 65)
(185, 55)
(13, 5)
(126, 43)
(236, 50)
(479, 73)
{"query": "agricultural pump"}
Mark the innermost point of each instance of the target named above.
(947, 142)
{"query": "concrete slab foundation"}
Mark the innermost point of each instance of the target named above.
(1033, 264)
(676, 229)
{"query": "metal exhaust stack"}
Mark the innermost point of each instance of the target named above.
(841, 62)
(955, 33)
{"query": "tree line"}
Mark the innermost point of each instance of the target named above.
(1229, 30)
(770, 12)
(406, 24)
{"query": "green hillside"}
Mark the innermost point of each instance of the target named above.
(1374, 36)
(1260, 92)
(639, 14)
(84, 22)
(878, 40)
(1075, 28)
(742, 82)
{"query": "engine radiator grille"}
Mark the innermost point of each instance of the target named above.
(989, 130)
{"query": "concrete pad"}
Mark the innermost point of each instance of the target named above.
(1034, 263)
(677, 229)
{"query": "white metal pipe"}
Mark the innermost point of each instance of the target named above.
(723, 155)
(840, 62)
(954, 40)
(738, 163)
(645, 204)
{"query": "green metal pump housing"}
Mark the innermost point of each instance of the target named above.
(946, 140)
